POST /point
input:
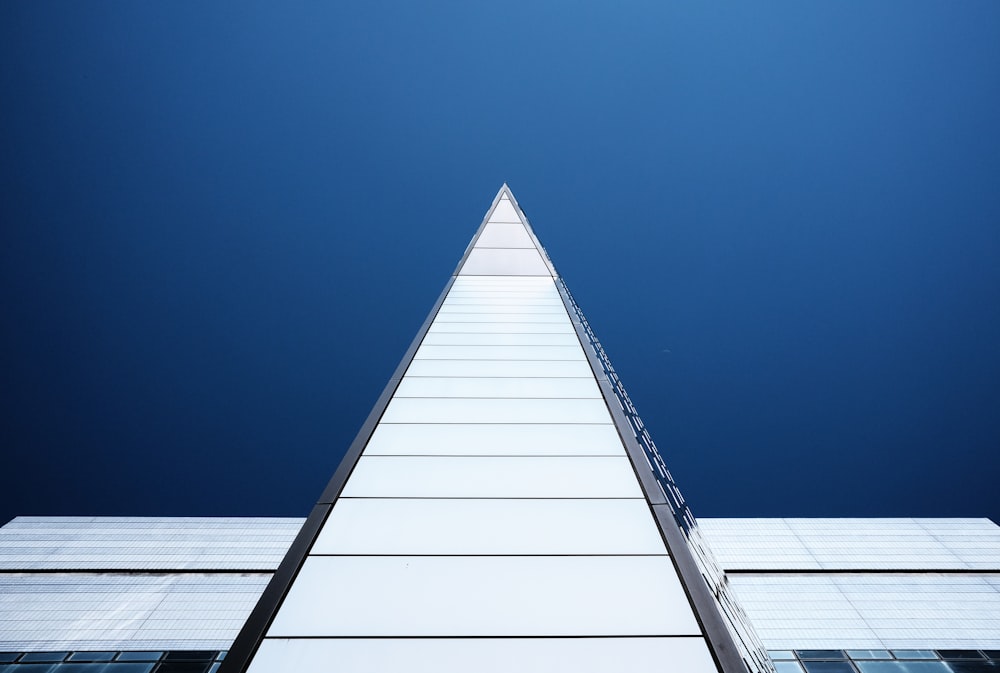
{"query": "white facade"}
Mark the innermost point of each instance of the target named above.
(864, 583)
(92, 583)
(494, 518)
(133, 583)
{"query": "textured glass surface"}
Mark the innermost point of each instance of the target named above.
(525, 439)
(915, 654)
(484, 655)
(532, 388)
(514, 477)
(872, 611)
(76, 611)
(485, 526)
(141, 543)
(854, 544)
(485, 596)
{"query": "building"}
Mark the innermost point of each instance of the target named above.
(503, 508)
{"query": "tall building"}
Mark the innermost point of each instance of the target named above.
(503, 503)
(502, 508)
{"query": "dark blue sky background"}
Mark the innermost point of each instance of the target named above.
(222, 223)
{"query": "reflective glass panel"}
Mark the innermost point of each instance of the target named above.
(91, 656)
(914, 654)
(44, 656)
(787, 667)
(820, 654)
(139, 656)
(960, 654)
(869, 654)
(902, 667)
(828, 667)
(74, 667)
(982, 666)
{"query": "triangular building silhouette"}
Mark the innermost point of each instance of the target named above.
(502, 509)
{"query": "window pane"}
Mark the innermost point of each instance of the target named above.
(44, 656)
(787, 667)
(869, 654)
(91, 656)
(139, 656)
(902, 667)
(118, 667)
(914, 654)
(959, 654)
(829, 667)
(820, 654)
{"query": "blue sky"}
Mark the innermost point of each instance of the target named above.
(222, 223)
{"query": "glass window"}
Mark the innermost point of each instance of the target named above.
(6, 657)
(119, 667)
(960, 654)
(828, 667)
(869, 654)
(914, 654)
(787, 667)
(43, 656)
(184, 667)
(222, 655)
(778, 655)
(820, 654)
(992, 654)
(190, 655)
(140, 656)
(903, 667)
(32, 668)
(91, 656)
(80, 668)
(973, 666)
